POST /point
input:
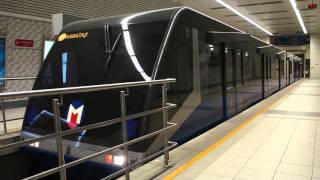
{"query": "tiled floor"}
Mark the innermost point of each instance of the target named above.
(283, 143)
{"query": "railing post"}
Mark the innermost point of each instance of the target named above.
(125, 133)
(165, 121)
(57, 124)
(4, 120)
(4, 117)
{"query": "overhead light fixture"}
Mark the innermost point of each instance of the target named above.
(296, 10)
(243, 16)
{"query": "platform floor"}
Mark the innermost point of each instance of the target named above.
(279, 138)
(12, 126)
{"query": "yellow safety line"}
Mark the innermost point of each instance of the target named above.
(218, 143)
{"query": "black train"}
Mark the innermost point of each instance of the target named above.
(220, 71)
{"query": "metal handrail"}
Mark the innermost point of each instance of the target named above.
(17, 78)
(70, 90)
(81, 89)
(59, 134)
(4, 121)
(82, 128)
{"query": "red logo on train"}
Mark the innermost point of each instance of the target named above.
(74, 116)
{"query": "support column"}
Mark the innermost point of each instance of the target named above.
(315, 56)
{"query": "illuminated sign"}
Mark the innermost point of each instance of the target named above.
(74, 116)
(79, 35)
(23, 43)
(312, 6)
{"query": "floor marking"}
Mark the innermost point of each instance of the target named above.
(218, 143)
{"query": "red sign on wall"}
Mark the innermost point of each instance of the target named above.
(23, 43)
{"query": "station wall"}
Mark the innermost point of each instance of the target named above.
(23, 61)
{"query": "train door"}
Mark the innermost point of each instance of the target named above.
(288, 71)
(239, 78)
(282, 71)
(266, 72)
(230, 80)
(279, 70)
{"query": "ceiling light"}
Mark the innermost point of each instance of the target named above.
(296, 10)
(243, 16)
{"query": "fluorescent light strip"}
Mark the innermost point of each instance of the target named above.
(296, 10)
(128, 44)
(243, 16)
(264, 46)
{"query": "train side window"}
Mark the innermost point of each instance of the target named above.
(69, 69)
(64, 64)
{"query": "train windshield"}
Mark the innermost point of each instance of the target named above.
(83, 58)
(86, 58)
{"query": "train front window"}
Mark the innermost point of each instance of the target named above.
(74, 61)
(84, 61)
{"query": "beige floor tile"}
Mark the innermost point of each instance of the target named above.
(302, 160)
(240, 152)
(205, 176)
(283, 176)
(269, 156)
(262, 164)
(254, 174)
(222, 170)
(253, 139)
(245, 145)
(295, 169)
(303, 135)
(272, 148)
(318, 140)
(231, 160)
(299, 152)
(303, 140)
(306, 146)
(316, 171)
(316, 161)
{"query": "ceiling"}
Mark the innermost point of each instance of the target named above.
(81, 8)
(277, 16)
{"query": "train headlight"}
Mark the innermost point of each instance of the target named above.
(35, 144)
(118, 160)
(114, 159)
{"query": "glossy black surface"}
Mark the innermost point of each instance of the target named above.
(218, 76)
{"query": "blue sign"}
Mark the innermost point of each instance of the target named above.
(290, 40)
(2, 58)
